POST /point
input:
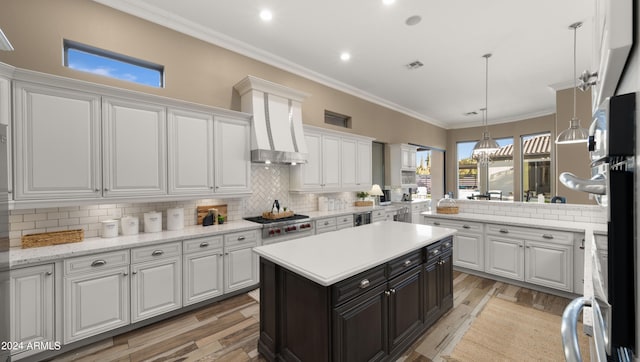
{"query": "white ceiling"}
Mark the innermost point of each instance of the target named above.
(531, 44)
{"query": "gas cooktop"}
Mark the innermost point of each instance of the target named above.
(262, 220)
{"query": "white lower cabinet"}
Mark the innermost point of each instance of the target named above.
(96, 294)
(344, 222)
(240, 262)
(325, 225)
(538, 256)
(202, 276)
(378, 215)
(468, 242)
(156, 280)
(32, 306)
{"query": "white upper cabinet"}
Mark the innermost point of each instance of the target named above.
(232, 155)
(336, 162)
(134, 148)
(190, 148)
(402, 171)
(57, 143)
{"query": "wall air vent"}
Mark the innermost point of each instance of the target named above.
(414, 65)
(337, 119)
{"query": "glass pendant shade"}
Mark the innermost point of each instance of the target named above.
(486, 144)
(573, 134)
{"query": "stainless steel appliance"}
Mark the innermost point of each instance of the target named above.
(403, 214)
(362, 218)
(612, 150)
(277, 230)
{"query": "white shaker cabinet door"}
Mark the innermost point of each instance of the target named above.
(134, 139)
(32, 305)
(190, 152)
(349, 172)
(468, 251)
(57, 143)
(241, 268)
(365, 173)
(331, 162)
(505, 257)
(95, 302)
(550, 265)
(232, 155)
(308, 176)
(155, 287)
(203, 276)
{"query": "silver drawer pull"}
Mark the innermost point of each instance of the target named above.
(447, 245)
(435, 252)
(364, 283)
(436, 223)
(344, 220)
(240, 238)
(465, 226)
(49, 273)
(504, 231)
(99, 263)
(204, 244)
(157, 253)
(326, 223)
(547, 236)
(407, 263)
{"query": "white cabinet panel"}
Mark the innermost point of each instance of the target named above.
(32, 305)
(57, 143)
(549, 264)
(203, 276)
(190, 150)
(468, 251)
(95, 302)
(232, 156)
(505, 257)
(155, 287)
(134, 140)
(365, 172)
(310, 173)
(349, 172)
(331, 162)
(241, 267)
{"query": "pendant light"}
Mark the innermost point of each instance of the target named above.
(575, 133)
(487, 146)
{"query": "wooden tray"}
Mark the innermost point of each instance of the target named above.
(447, 210)
(364, 203)
(280, 215)
(204, 210)
(52, 238)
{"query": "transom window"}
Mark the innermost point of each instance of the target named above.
(86, 58)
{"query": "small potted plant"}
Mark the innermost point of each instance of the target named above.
(362, 195)
(220, 219)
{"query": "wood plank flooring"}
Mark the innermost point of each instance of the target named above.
(228, 330)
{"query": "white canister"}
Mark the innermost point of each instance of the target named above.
(175, 219)
(110, 228)
(129, 225)
(322, 203)
(152, 222)
(331, 203)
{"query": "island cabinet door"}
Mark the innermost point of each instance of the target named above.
(360, 329)
(432, 302)
(405, 307)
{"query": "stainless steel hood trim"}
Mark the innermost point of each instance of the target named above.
(264, 156)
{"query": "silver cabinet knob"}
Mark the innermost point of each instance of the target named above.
(204, 244)
(364, 283)
(125, 274)
(157, 253)
(49, 273)
(407, 263)
(134, 272)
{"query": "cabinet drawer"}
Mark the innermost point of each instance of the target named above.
(96, 262)
(378, 214)
(342, 221)
(357, 284)
(435, 250)
(326, 223)
(201, 244)
(153, 252)
(461, 226)
(404, 263)
(535, 234)
(243, 237)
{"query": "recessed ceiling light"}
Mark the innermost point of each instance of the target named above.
(388, 2)
(413, 20)
(344, 56)
(266, 15)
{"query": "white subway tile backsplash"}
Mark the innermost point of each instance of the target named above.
(46, 223)
(34, 217)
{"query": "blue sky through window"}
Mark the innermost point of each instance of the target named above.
(97, 64)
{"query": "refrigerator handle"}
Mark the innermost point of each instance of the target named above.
(568, 328)
(596, 185)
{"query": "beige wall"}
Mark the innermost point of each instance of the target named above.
(195, 71)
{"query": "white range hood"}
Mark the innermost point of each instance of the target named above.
(276, 133)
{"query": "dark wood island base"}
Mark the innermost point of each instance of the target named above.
(373, 316)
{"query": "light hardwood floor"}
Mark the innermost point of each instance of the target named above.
(228, 330)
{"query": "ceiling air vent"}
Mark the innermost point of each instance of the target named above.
(414, 65)
(472, 113)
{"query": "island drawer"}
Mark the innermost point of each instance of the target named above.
(95, 262)
(243, 237)
(153, 252)
(358, 284)
(404, 263)
(201, 244)
(435, 250)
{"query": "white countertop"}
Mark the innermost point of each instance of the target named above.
(331, 257)
(521, 221)
(21, 257)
